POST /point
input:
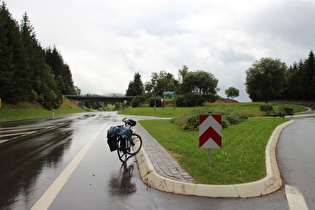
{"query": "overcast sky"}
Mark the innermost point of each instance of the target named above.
(106, 41)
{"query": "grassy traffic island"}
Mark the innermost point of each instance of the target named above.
(242, 156)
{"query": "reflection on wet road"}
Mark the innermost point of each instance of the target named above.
(30, 163)
(121, 184)
(22, 164)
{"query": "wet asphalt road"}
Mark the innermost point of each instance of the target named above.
(296, 157)
(29, 166)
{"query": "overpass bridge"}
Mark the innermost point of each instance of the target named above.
(123, 99)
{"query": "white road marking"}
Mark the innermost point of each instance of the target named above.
(47, 198)
(295, 198)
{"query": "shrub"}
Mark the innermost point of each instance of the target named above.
(266, 108)
(286, 110)
(145, 105)
(242, 115)
(137, 101)
(225, 123)
(190, 120)
(189, 100)
(283, 111)
(180, 101)
(271, 113)
(118, 106)
(192, 123)
(153, 99)
(233, 119)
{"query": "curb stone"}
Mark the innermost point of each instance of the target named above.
(300, 116)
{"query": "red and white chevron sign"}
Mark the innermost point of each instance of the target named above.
(210, 131)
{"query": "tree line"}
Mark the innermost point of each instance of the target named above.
(271, 79)
(267, 79)
(28, 71)
(192, 88)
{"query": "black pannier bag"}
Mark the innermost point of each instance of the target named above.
(123, 132)
(111, 138)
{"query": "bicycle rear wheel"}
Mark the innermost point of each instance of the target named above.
(136, 144)
(123, 156)
(122, 150)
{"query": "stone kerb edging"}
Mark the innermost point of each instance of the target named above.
(300, 116)
(271, 183)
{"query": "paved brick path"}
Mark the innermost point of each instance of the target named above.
(162, 161)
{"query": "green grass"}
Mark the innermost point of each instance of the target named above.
(22, 113)
(240, 160)
(30, 110)
(251, 109)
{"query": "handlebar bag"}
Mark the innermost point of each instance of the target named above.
(131, 122)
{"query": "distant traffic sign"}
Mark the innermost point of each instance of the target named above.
(210, 131)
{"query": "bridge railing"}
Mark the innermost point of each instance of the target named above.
(100, 98)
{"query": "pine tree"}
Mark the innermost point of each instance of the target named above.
(43, 83)
(24, 74)
(60, 70)
(135, 87)
(309, 66)
(13, 65)
(292, 85)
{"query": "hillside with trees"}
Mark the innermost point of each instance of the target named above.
(28, 71)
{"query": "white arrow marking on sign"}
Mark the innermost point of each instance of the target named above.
(210, 144)
(214, 124)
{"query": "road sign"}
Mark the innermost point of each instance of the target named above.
(169, 95)
(210, 131)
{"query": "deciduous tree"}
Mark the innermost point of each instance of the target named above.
(160, 82)
(232, 92)
(201, 83)
(265, 79)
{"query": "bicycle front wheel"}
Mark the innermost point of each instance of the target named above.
(136, 144)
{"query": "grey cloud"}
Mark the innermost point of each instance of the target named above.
(291, 21)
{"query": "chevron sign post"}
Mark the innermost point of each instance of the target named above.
(210, 133)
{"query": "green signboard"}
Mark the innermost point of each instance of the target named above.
(169, 95)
